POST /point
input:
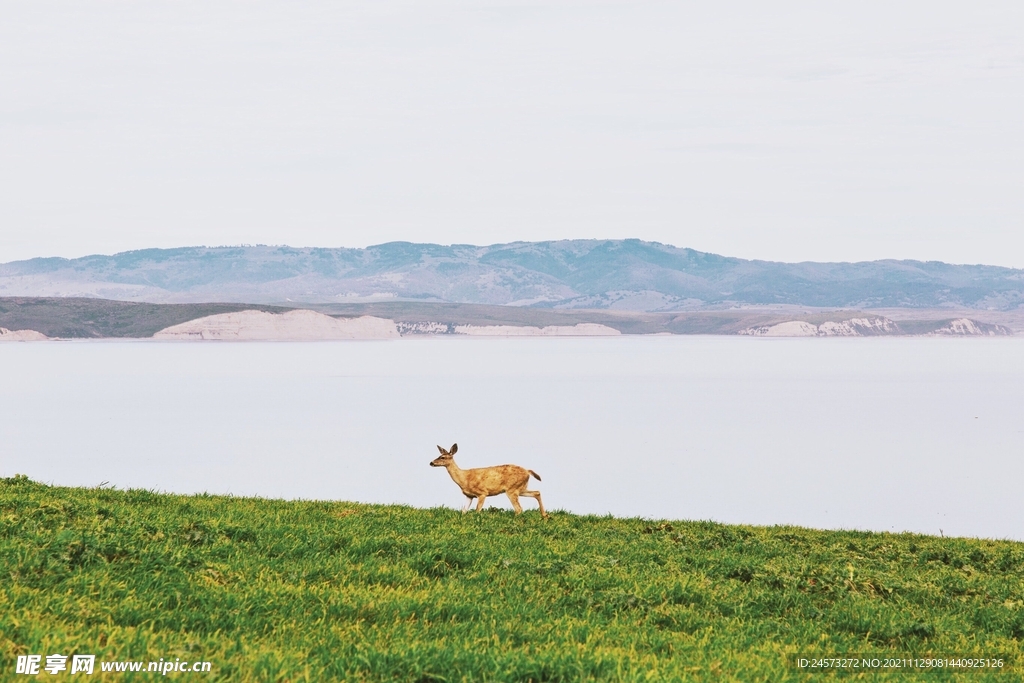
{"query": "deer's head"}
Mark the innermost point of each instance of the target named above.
(446, 458)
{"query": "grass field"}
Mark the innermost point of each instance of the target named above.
(294, 591)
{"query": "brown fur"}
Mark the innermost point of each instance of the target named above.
(489, 481)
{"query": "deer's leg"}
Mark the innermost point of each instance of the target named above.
(514, 497)
(480, 502)
(465, 508)
(536, 494)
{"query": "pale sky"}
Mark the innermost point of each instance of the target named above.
(783, 131)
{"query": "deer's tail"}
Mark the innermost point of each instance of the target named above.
(535, 475)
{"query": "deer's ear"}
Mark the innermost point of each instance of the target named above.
(455, 447)
(443, 451)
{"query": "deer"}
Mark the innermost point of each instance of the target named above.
(481, 482)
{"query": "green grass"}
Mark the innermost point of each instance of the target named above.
(299, 590)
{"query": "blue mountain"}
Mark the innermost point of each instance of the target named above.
(624, 274)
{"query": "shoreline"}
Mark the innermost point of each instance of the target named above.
(463, 337)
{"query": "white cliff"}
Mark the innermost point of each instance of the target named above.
(300, 325)
(580, 330)
(21, 335)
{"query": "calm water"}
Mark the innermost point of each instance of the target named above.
(885, 434)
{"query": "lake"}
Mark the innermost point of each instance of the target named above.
(918, 434)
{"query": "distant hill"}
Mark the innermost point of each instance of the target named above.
(81, 317)
(610, 274)
(73, 317)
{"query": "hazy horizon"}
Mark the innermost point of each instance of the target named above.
(791, 132)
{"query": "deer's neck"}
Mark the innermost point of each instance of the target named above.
(457, 474)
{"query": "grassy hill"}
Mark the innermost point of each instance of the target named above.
(302, 590)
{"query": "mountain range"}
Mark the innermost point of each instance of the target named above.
(570, 274)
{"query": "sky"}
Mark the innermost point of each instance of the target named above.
(784, 131)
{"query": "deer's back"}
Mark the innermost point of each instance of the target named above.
(490, 481)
